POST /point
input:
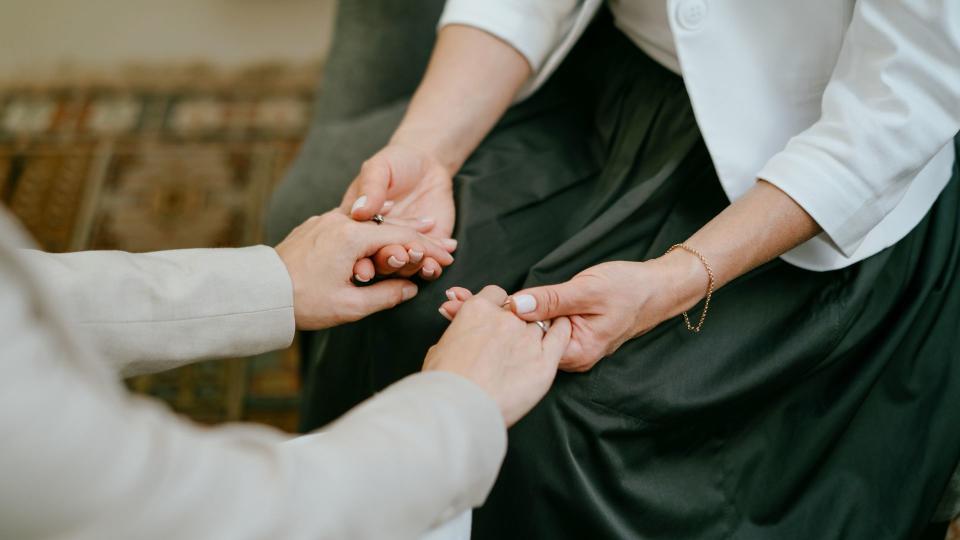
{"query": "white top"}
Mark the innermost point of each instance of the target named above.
(82, 459)
(848, 106)
(646, 23)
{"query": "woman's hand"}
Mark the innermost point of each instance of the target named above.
(607, 304)
(320, 256)
(409, 184)
(512, 360)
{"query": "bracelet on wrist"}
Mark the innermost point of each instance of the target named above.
(706, 304)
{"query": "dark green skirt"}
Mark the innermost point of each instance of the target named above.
(812, 405)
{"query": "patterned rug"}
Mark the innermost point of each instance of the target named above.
(163, 158)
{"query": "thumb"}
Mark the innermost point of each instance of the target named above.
(545, 303)
(371, 185)
(385, 295)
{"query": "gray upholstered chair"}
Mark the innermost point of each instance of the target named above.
(380, 49)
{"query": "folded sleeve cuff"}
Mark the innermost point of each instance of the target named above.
(828, 193)
(516, 23)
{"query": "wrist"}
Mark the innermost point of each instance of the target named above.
(425, 141)
(684, 280)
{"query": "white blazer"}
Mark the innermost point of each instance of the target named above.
(849, 106)
(82, 459)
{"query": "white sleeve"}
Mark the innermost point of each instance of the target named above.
(82, 460)
(892, 104)
(543, 31)
(155, 311)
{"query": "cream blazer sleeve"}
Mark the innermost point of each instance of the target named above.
(155, 311)
(82, 459)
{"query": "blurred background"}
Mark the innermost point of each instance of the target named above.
(142, 125)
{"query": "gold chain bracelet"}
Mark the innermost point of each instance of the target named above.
(706, 303)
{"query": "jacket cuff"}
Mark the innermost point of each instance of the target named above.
(519, 24)
(834, 198)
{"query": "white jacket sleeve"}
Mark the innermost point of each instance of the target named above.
(892, 104)
(80, 459)
(541, 30)
(155, 311)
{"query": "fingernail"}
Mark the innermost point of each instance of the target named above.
(409, 292)
(415, 256)
(359, 278)
(387, 206)
(427, 272)
(395, 262)
(449, 243)
(427, 220)
(359, 203)
(445, 314)
(525, 303)
(451, 295)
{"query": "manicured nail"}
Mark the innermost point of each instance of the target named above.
(359, 203)
(427, 272)
(415, 256)
(408, 292)
(445, 314)
(359, 278)
(395, 262)
(451, 295)
(449, 243)
(427, 221)
(387, 205)
(525, 303)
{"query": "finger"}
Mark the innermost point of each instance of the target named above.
(450, 308)
(372, 184)
(437, 250)
(556, 340)
(415, 253)
(493, 294)
(374, 237)
(385, 295)
(431, 269)
(458, 293)
(544, 303)
(421, 225)
(363, 270)
(387, 207)
(390, 259)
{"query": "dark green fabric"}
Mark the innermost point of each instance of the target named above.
(812, 405)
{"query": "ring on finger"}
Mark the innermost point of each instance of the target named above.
(544, 325)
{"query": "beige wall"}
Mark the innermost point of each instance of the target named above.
(47, 38)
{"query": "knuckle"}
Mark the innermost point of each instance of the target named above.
(552, 299)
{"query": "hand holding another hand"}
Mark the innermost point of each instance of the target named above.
(320, 256)
(513, 361)
(607, 304)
